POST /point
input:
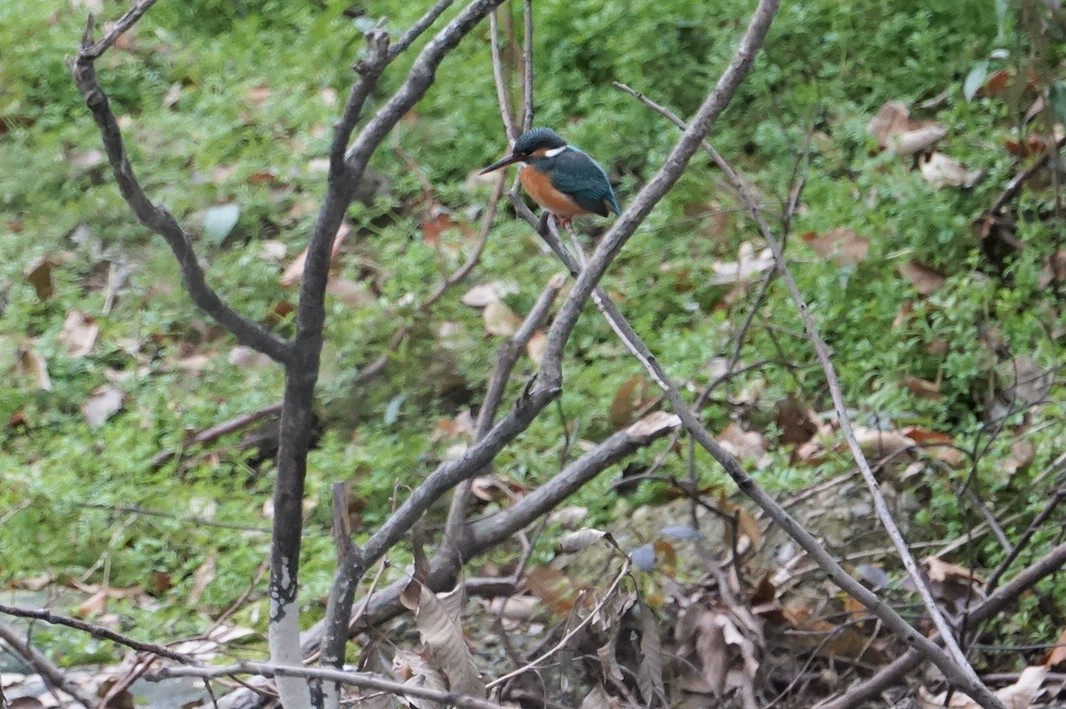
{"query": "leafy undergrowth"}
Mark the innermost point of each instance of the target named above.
(945, 319)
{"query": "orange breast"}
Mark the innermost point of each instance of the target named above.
(539, 187)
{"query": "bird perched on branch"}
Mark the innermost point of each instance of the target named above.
(562, 179)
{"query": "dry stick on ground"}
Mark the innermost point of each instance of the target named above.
(364, 680)
(44, 667)
(1007, 594)
(96, 631)
(968, 680)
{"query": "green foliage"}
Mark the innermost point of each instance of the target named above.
(230, 103)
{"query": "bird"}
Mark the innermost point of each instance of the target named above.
(559, 177)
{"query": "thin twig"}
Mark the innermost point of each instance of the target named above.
(124, 23)
(608, 595)
(501, 82)
(528, 108)
(156, 217)
(44, 667)
(96, 631)
(358, 679)
(506, 359)
(416, 30)
(986, 610)
(973, 684)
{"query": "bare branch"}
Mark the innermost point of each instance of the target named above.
(369, 70)
(572, 632)
(357, 679)
(484, 534)
(156, 217)
(500, 79)
(96, 631)
(527, 65)
(416, 30)
(959, 670)
(505, 361)
(33, 657)
(986, 610)
(129, 19)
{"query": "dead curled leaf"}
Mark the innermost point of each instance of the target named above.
(79, 333)
(925, 279)
(941, 171)
(101, 405)
(722, 645)
(437, 616)
(841, 244)
(895, 131)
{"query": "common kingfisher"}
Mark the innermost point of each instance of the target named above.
(559, 177)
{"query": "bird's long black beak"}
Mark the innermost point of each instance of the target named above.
(509, 160)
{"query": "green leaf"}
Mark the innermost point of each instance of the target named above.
(975, 79)
(219, 221)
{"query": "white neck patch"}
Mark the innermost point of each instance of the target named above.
(554, 151)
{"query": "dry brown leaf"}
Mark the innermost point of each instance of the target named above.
(258, 94)
(294, 273)
(536, 346)
(941, 171)
(102, 404)
(437, 616)
(574, 542)
(748, 264)
(1016, 696)
(654, 423)
(247, 358)
(722, 645)
(481, 295)
(1022, 453)
(33, 365)
(554, 588)
(925, 279)
(796, 422)
(895, 131)
(941, 571)
(415, 671)
(79, 333)
(1057, 655)
(500, 319)
(39, 275)
(746, 525)
(204, 574)
(352, 294)
(742, 444)
(841, 244)
(514, 608)
(876, 443)
(438, 221)
(630, 400)
(921, 388)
